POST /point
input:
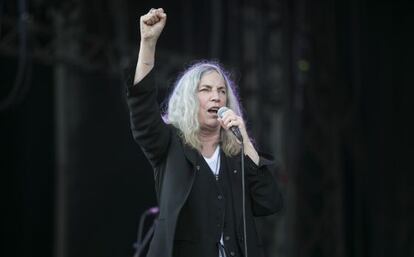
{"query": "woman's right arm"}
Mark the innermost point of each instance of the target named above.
(151, 26)
(147, 125)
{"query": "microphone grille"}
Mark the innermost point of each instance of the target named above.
(221, 111)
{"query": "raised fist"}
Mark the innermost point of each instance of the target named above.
(152, 24)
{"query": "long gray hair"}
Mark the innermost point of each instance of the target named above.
(183, 105)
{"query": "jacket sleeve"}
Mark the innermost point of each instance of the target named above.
(147, 125)
(266, 197)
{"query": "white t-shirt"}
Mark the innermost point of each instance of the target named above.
(214, 162)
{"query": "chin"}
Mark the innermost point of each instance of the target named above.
(212, 126)
(216, 127)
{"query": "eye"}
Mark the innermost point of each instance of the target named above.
(222, 91)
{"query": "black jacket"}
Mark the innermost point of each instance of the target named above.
(175, 165)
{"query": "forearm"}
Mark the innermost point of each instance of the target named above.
(146, 57)
(250, 151)
(151, 26)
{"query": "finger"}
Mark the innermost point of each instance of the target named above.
(221, 121)
(228, 118)
(226, 121)
(152, 20)
(146, 19)
(161, 15)
(148, 22)
(151, 15)
(234, 123)
(222, 124)
(156, 18)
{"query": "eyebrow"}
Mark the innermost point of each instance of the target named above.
(209, 86)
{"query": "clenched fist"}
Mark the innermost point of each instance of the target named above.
(152, 24)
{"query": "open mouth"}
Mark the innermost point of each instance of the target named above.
(213, 110)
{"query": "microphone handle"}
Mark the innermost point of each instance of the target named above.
(236, 132)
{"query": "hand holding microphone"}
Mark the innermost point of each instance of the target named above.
(229, 120)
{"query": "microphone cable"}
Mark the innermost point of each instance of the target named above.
(243, 201)
(238, 135)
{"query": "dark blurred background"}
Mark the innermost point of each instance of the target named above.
(323, 83)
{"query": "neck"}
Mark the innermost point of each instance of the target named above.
(209, 140)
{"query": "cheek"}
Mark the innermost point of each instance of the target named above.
(200, 112)
(200, 106)
(201, 101)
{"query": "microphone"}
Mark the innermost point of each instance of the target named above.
(234, 129)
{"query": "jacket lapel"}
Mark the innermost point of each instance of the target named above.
(190, 153)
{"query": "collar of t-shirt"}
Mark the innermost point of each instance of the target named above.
(214, 161)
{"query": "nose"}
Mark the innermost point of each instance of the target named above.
(215, 96)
